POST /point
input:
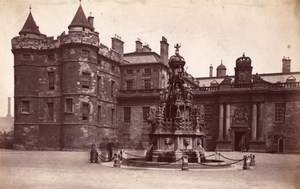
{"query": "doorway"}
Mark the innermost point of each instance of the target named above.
(281, 146)
(240, 141)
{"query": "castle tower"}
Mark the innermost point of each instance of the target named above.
(26, 69)
(79, 81)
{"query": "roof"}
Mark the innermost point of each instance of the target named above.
(30, 26)
(269, 77)
(221, 66)
(80, 20)
(142, 57)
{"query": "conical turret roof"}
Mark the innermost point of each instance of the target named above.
(80, 20)
(30, 26)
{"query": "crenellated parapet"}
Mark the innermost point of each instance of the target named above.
(109, 53)
(43, 42)
(81, 37)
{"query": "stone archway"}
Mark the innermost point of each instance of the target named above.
(281, 145)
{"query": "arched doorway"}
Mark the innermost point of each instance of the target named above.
(281, 145)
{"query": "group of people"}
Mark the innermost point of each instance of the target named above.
(94, 154)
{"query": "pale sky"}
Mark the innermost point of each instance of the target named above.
(209, 30)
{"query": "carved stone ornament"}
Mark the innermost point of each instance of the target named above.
(240, 117)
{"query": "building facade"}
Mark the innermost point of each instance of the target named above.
(73, 91)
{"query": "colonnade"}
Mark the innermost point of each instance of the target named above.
(256, 121)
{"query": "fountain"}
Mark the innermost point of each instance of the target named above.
(176, 129)
(176, 125)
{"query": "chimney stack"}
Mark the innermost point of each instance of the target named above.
(286, 65)
(164, 50)
(91, 20)
(146, 48)
(210, 71)
(138, 45)
(118, 45)
(8, 108)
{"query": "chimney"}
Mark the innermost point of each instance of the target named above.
(118, 45)
(210, 71)
(146, 48)
(8, 108)
(91, 21)
(286, 65)
(138, 45)
(164, 50)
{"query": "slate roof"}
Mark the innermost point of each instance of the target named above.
(30, 26)
(142, 57)
(80, 20)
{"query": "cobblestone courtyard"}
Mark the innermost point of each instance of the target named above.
(50, 169)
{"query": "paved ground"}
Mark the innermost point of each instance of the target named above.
(40, 169)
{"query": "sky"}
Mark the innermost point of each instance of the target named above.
(208, 30)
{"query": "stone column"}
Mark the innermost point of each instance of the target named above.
(227, 121)
(254, 122)
(221, 116)
(260, 121)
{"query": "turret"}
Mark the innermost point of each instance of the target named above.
(30, 28)
(79, 22)
(221, 70)
(243, 70)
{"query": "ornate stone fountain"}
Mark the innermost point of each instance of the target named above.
(176, 125)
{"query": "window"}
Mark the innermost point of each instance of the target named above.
(129, 85)
(50, 106)
(99, 63)
(25, 106)
(85, 80)
(127, 114)
(145, 113)
(98, 85)
(51, 80)
(112, 84)
(69, 105)
(147, 71)
(26, 57)
(208, 113)
(51, 57)
(112, 118)
(279, 112)
(99, 114)
(113, 68)
(85, 111)
(85, 53)
(147, 84)
(129, 72)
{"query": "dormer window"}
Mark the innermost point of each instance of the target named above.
(291, 79)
